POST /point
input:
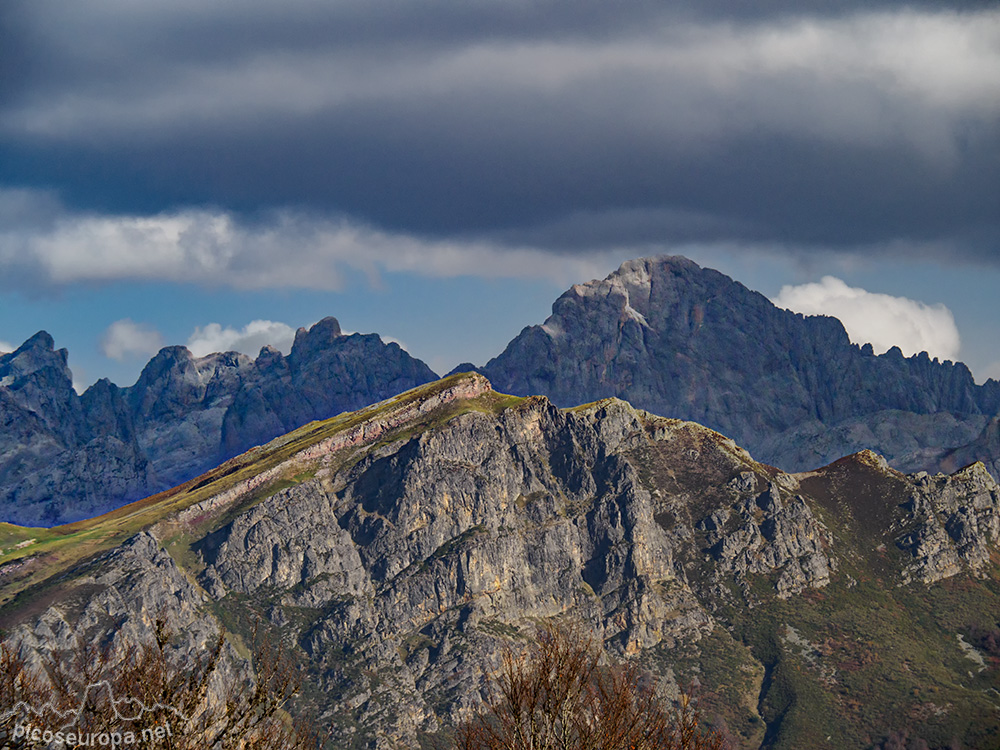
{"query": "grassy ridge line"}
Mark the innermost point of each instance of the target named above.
(358, 428)
(30, 555)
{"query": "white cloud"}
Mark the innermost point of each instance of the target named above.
(126, 338)
(288, 250)
(248, 340)
(80, 381)
(882, 320)
(5, 347)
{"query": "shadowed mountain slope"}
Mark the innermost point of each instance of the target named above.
(663, 333)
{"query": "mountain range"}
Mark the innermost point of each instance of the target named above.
(65, 457)
(689, 342)
(396, 533)
(396, 552)
(663, 334)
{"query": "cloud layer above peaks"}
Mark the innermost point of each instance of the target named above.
(52, 246)
(249, 340)
(155, 151)
(881, 320)
(553, 124)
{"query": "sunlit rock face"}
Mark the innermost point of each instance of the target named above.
(664, 334)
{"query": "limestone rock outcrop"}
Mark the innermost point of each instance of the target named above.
(398, 557)
(954, 524)
(663, 334)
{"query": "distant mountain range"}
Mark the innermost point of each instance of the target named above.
(65, 457)
(665, 334)
(689, 342)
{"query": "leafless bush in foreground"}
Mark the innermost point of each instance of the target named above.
(558, 696)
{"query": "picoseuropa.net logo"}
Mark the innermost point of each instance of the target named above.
(44, 737)
(127, 722)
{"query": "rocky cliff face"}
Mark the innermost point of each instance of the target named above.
(984, 448)
(953, 524)
(325, 373)
(691, 343)
(398, 557)
(65, 457)
(60, 452)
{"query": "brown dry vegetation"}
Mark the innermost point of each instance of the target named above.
(165, 703)
(558, 696)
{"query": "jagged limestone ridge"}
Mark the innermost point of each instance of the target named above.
(689, 342)
(69, 457)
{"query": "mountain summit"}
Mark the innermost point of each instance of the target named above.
(66, 457)
(664, 334)
(689, 342)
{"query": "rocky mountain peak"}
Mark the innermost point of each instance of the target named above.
(268, 353)
(177, 363)
(871, 459)
(37, 353)
(638, 272)
(167, 359)
(41, 340)
(640, 275)
(401, 549)
(320, 336)
(976, 474)
(73, 457)
(175, 379)
(689, 342)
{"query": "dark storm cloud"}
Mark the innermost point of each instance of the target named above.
(565, 124)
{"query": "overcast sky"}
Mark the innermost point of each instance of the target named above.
(218, 173)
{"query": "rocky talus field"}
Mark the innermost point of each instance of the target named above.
(398, 550)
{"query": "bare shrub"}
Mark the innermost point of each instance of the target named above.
(558, 696)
